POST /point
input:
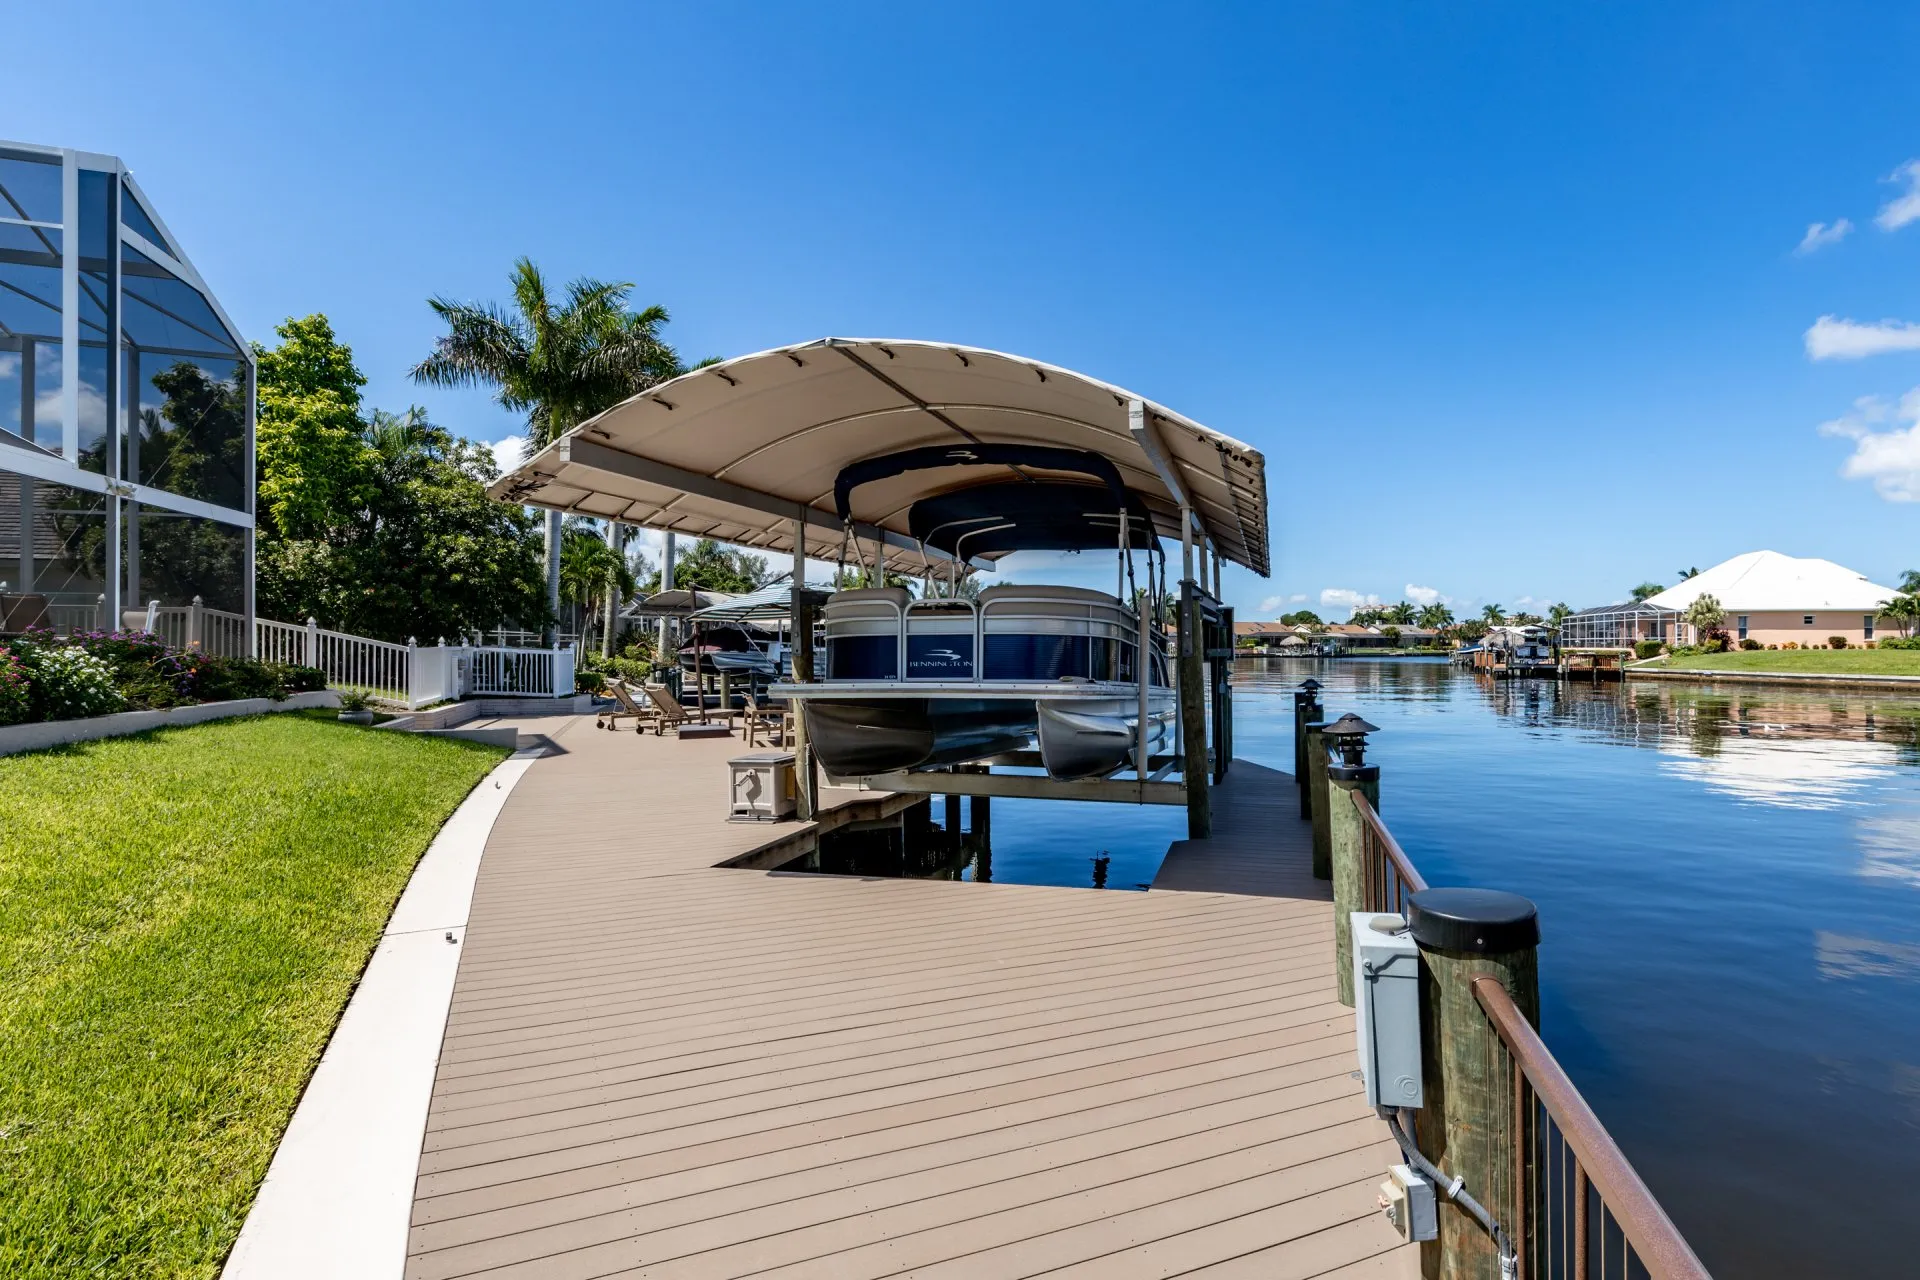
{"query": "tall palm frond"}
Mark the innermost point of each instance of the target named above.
(560, 365)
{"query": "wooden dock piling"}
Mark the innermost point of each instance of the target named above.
(1467, 1126)
(1349, 869)
(1317, 800)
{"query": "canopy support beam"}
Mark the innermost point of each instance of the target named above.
(1147, 436)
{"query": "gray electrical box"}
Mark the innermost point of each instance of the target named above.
(1386, 999)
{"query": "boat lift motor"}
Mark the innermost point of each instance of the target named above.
(1386, 1007)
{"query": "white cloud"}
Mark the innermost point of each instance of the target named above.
(1821, 234)
(1889, 458)
(1834, 339)
(507, 453)
(1426, 595)
(1274, 604)
(1340, 597)
(1905, 207)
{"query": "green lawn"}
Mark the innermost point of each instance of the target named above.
(1856, 662)
(182, 918)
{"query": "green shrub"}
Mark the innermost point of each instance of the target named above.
(625, 666)
(1750, 644)
(1901, 642)
(1648, 648)
(230, 679)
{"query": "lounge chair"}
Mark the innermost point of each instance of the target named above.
(668, 710)
(625, 708)
(772, 719)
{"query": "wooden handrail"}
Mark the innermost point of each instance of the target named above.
(1659, 1244)
(1402, 865)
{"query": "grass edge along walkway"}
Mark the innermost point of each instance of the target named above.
(1797, 662)
(183, 916)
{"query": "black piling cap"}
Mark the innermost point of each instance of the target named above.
(1476, 921)
(1310, 684)
(1351, 725)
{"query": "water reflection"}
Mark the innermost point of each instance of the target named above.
(1841, 956)
(1075, 845)
(1776, 747)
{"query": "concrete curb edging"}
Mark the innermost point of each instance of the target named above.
(338, 1197)
(41, 734)
(1800, 679)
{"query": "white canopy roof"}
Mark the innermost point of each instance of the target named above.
(1761, 581)
(737, 450)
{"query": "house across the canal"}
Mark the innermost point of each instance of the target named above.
(1769, 598)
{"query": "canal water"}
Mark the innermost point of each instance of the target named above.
(1727, 882)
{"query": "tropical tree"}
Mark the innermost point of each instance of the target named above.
(1559, 613)
(1492, 614)
(1646, 589)
(1470, 630)
(1904, 609)
(1436, 617)
(1689, 573)
(590, 569)
(1402, 614)
(1300, 618)
(714, 566)
(1525, 619)
(1910, 582)
(380, 525)
(1705, 616)
(558, 364)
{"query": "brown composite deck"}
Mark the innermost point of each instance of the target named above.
(656, 1067)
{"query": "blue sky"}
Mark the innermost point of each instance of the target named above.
(1509, 294)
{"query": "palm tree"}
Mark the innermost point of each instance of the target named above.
(1904, 609)
(1436, 617)
(1910, 582)
(590, 568)
(1401, 614)
(1493, 614)
(559, 365)
(1646, 589)
(1689, 573)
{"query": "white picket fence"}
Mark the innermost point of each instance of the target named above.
(412, 674)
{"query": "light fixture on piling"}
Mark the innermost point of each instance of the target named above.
(1349, 737)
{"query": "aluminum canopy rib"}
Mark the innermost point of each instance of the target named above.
(743, 449)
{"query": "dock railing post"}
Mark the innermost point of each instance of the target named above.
(1195, 768)
(1467, 1123)
(1317, 800)
(807, 799)
(1346, 837)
